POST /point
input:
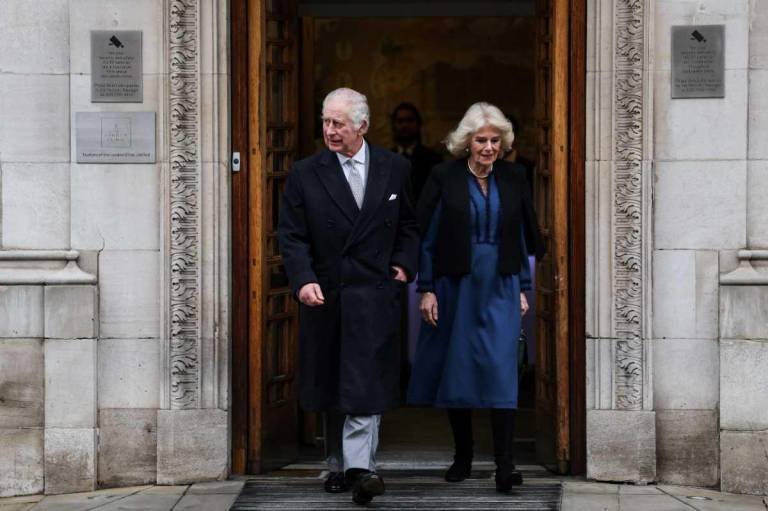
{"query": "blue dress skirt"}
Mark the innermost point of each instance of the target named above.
(470, 359)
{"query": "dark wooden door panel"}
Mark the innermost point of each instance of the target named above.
(264, 119)
(279, 122)
(551, 196)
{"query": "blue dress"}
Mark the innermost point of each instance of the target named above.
(470, 359)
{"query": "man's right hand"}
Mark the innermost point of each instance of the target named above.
(311, 295)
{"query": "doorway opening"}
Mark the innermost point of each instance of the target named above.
(437, 66)
(525, 56)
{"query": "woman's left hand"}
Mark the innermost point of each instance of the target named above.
(523, 303)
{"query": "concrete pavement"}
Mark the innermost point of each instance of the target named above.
(213, 496)
(578, 495)
(590, 496)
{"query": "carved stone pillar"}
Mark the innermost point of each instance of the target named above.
(193, 431)
(620, 422)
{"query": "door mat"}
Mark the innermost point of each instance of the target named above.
(406, 490)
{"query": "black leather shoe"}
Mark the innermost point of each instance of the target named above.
(336, 483)
(506, 480)
(460, 470)
(367, 486)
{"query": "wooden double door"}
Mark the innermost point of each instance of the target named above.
(271, 101)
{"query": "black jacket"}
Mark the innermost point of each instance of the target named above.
(447, 183)
(348, 347)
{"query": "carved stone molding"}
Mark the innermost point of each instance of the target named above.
(42, 267)
(751, 270)
(184, 202)
(628, 218)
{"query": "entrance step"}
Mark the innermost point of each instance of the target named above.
(423, 489)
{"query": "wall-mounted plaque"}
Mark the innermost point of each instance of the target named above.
(116, 70)
(698, 61)
(115, 137)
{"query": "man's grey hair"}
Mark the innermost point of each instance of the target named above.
(479, 116)
(357, 105)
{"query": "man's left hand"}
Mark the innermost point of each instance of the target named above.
(399, 273)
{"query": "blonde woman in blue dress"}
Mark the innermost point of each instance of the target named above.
(477, 221)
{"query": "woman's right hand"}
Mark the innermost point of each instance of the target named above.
(428, 308)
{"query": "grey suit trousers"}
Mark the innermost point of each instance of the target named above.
(351, 441)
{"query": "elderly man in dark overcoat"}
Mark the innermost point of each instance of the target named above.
(349, 240)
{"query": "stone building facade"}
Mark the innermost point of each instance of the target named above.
(115, 283)
(676, 295)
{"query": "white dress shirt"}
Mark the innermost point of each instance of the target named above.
(358, 160)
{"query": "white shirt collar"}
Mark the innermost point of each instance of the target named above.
(358, 158)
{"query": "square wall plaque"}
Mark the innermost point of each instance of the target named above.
(116, 69)
(115, 137)
(698, 61)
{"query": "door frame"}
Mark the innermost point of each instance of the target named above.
(247, 105)
(577, 318)
(242, 449)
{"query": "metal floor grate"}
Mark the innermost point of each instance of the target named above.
(414, 489)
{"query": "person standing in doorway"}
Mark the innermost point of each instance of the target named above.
(477, 221)
(349, 240)
(406, 133)
(406, 122)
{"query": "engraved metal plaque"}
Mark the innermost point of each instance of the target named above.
(698, 61)
(116, 70)
(115, 137)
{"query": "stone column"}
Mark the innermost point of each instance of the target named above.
(70, 387)
(621, 431)
(743, 398)
(48, 331)
(192, 425)
(744, 375)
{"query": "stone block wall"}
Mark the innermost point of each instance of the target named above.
(87, 257)
(114, 278)
(700, 190)
(675, 189)
(117, 211)
(706, 369)
(34, 125)
(22, 394)
(744, 375)
(48, 339)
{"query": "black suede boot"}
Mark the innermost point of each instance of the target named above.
(503, 426)
(461, 425)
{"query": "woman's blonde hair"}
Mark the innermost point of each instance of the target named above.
(479, 116)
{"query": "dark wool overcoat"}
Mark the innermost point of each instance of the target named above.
(349, 349)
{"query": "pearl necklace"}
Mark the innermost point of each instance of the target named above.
(471, 171)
